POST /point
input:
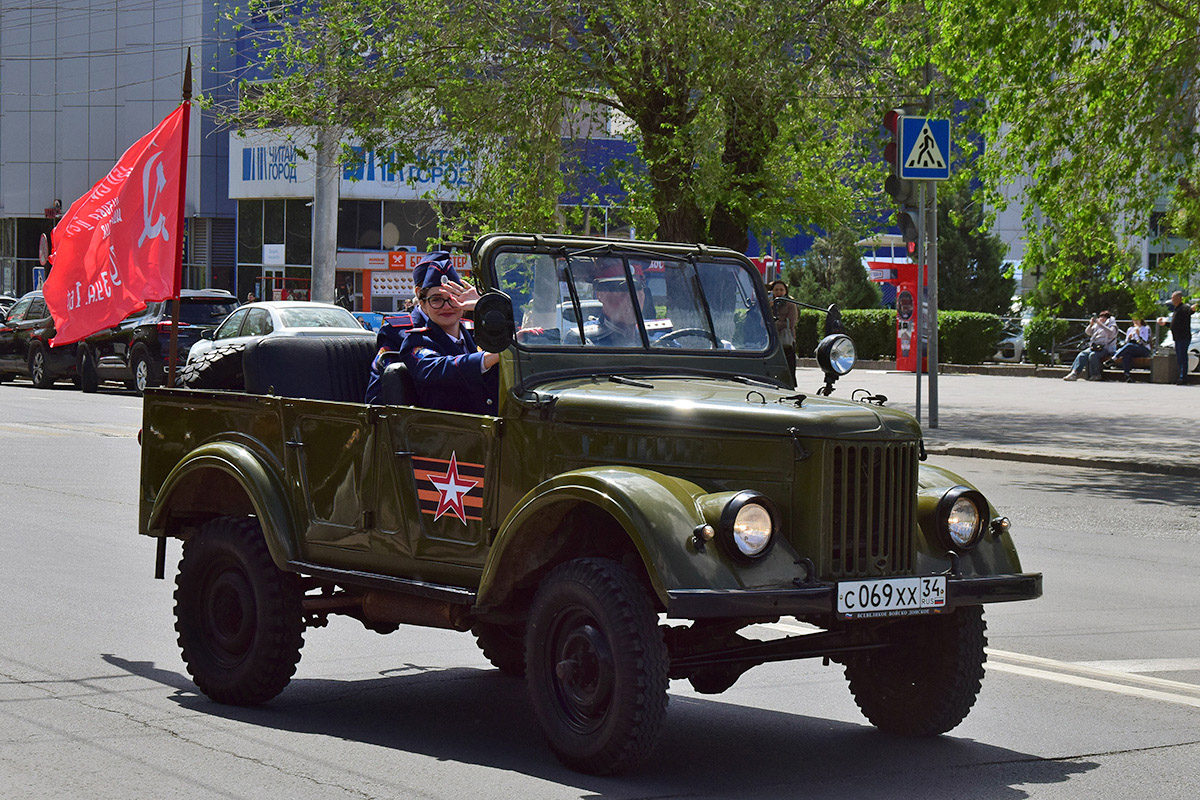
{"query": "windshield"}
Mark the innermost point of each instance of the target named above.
(318, 317)
(632, 301)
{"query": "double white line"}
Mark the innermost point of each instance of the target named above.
(1112, 679)
(1107, 680)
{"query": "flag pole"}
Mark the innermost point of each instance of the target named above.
(160, 553)
(173, 357)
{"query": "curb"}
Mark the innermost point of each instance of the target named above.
(1179, 470)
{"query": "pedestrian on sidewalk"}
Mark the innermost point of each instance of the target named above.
(1181, 331)
(1102, 343)
(1136, 345)
(786, 318)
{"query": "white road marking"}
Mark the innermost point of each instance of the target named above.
(1144, 665)
(1089, 675)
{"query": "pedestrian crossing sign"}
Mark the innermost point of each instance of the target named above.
(925, 149)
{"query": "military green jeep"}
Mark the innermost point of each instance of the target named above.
(650, 488)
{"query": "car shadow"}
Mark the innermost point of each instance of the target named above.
(708, 748)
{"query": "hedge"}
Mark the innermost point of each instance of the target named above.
(964, 337)
(1040, 336)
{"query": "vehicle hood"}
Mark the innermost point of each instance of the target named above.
(718, 406)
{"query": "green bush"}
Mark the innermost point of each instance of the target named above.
(1040, 335)
(873, 331)
(968, 337)
(809, 328)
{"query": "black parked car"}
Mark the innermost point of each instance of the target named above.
(135, 351)
(25, 349)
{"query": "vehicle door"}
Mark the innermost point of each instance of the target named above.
(12, 358)
(435, 510)
(329, 447)
(258, 323)
(225, 332)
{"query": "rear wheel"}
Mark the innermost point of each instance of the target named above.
(927, 681)
(39, 371)
(144, 376)
(89, 381)
(596, 666)
(239, 618)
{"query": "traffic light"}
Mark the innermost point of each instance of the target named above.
(903, 192)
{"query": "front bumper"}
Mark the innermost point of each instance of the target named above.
(817, 598)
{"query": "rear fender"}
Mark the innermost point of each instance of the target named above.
(219, 479)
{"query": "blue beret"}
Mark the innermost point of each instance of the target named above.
(434, 270)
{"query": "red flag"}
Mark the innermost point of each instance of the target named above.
(118, 246)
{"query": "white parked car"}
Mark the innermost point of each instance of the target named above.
(276, 318)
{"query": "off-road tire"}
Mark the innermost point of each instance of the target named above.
(39, 369)
(144, 374)
(89, 381)
(926, 683)
(239, 618)
(596, 666)
(503, 646)
(218, 368)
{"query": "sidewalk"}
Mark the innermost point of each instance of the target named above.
(1142, 427)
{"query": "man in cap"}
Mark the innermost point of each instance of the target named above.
(617, 324)
(450, 373)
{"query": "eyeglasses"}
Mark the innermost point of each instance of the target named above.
(438, 301)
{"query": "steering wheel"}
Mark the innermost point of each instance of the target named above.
(671, 336)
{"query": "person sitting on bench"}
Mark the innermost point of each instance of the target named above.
(448, 371)
(1136, 345)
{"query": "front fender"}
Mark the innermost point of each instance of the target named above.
(181, 494)
(991, 556)
(658, 513)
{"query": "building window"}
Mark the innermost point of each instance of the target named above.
(285, 222)
(360, 225)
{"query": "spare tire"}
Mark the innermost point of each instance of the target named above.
(219, 368)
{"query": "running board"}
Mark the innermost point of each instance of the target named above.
(371, 580)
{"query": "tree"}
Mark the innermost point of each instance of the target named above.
(1091, 105)
(972, 275)
(745, 114)
(832, 272)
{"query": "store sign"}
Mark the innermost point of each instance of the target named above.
(277, 164)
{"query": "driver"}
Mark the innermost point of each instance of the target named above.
(617, 325)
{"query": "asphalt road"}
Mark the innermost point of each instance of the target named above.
(1092, 691)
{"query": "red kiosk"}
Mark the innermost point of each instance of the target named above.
(903, 275)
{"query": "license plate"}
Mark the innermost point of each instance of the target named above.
(888, 597)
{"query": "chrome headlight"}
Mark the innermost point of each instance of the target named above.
(836, 354)
(962, 517)
(748, 525)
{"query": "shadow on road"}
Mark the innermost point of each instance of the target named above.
(709, 748)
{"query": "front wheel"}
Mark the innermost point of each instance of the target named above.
(926, 682)
(89, 381)
(239, 618)
(596, 665)
(503, 645)
(39, 371)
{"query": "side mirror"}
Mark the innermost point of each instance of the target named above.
(833, 320)
(494, 325)
(208, 333)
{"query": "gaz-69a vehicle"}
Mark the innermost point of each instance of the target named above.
(650, 488)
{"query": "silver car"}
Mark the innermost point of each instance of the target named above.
(276, 318)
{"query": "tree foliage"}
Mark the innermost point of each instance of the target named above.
(745, 115)
(1091, 107)
(972, 275)
(832, 272)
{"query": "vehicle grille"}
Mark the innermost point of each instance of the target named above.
(873, 499)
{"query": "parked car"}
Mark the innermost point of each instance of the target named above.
(1168, 347)
(7, 301)
(135, 351)
(25, 349)
(1011, 348)
(276, 318)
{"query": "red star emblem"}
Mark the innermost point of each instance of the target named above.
(451, 489)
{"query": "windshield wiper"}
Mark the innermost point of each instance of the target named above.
(629, 381)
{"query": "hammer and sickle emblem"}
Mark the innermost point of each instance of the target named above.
(153, 227)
